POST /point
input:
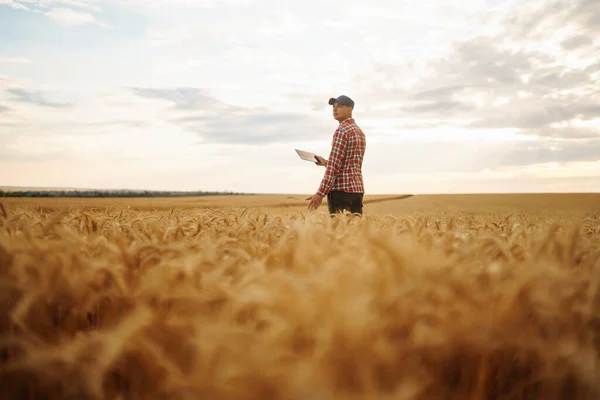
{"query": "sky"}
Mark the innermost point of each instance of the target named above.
(454, 97)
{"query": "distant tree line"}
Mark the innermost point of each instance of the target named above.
(115, 193)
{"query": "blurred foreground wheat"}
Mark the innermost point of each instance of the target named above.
(182, 304)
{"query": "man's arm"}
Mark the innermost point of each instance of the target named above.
(334, 164)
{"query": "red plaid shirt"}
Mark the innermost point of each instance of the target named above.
(344, 166)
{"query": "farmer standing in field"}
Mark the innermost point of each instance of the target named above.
(343, 181)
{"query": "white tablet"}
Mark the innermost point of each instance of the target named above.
(305, 155)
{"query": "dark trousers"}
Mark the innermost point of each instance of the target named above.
(339, 201)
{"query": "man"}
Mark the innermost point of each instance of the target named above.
(343, 181)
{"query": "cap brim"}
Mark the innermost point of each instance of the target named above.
(332, 100)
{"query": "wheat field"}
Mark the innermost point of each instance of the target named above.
(252, 297)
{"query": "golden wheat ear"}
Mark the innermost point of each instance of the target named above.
(3, 209)
(253, 298)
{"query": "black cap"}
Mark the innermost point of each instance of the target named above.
(344, 100)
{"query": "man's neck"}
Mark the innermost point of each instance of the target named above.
(345, 119)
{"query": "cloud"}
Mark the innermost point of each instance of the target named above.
(67, 16)
(13, 4)
(5, 81)
(249, 127)
(576, 41)
(35, 97)
(237, 29)
(217, 121)
(179, 35)
(531, 115)
(14, 60)
(436, 107)
(547, 151)
(582, 14)
(36, 5)
(4, 109)
(469, 156)
(530, 74)
(21, 156)
(61, 11)
(91, 128)
(184, 98)
(593, 68)
(87, 4)
(194, 3)
(567, 131)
